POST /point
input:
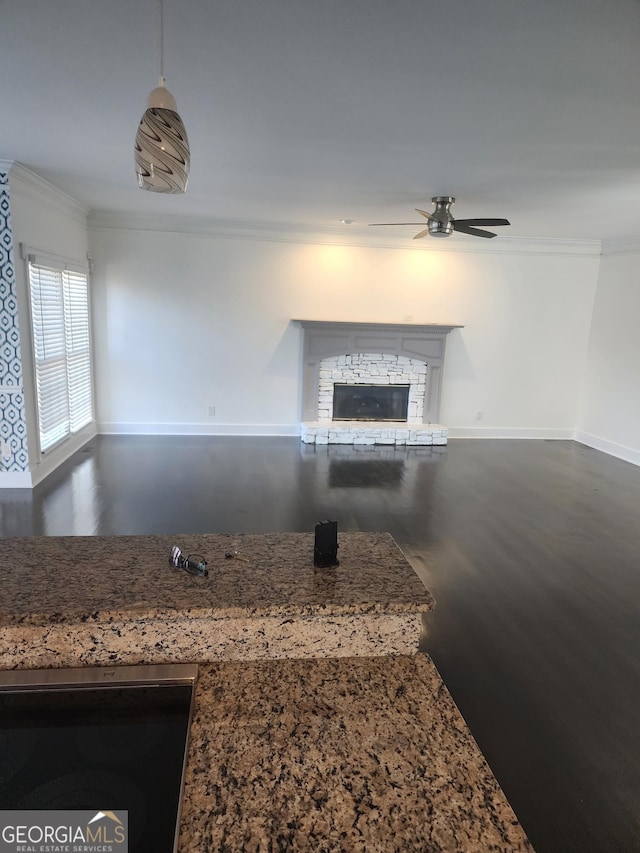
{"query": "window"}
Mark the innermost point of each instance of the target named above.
(59, 299)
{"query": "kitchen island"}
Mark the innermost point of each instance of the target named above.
(317, 725)
(70, 601)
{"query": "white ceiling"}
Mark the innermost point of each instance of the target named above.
(306, 112)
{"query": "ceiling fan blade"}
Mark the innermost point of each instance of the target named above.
(421, 234)
(483, 221)
(373, 224)
(475, 232)
(424, 213)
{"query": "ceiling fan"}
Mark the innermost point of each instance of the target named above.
(442, 223)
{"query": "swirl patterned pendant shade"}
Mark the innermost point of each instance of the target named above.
(162, 148)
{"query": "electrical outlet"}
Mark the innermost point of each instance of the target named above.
(211, 410)
(479, 415)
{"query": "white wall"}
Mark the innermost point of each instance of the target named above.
(184, 321)
(47, 220)
(611, 410)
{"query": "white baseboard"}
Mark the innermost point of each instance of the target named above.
(198, 429)
(110, 428)
(628, 454)
(16, 480)
(511, 432)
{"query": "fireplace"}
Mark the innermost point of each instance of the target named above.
(404, 359)
(364, 402)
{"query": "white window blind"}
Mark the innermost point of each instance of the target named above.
(62, 350)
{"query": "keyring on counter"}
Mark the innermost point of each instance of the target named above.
(192, 563)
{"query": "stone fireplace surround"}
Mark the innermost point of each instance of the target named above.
(374, 369)
(326, 343)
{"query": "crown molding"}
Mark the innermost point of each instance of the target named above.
(621, 246)
(335, 235)
(23, 179)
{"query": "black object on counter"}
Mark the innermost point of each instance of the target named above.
(325, 549)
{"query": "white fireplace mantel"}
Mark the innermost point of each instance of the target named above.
(323, 338)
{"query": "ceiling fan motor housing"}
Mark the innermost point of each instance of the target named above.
(441, 224)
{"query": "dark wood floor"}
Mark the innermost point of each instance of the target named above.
(532, 550)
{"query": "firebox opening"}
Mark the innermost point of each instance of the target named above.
(362, 402)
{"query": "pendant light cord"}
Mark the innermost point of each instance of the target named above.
(161, 3)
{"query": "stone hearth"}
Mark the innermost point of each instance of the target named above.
(372, 432)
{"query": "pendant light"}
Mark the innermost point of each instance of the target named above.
(162, 148)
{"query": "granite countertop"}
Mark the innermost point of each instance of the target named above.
(47, 580)
(100, 600)
(366, 755)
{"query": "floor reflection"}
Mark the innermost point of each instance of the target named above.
(66, 503)
(386, 473)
